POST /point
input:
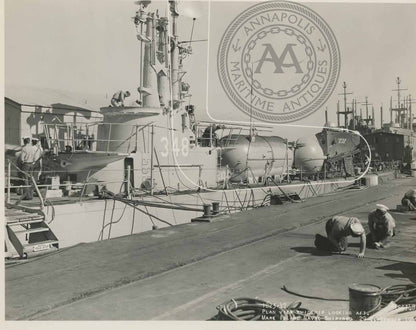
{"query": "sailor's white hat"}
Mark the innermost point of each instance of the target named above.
(35, 138)
(382, 207)
(357, 228)
(26, 137)
(411, 192)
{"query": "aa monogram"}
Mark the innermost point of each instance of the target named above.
(278, 61)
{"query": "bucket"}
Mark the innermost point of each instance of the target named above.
(370, 180)
(365, 300)
(413, 173)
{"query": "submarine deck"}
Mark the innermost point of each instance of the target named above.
(184, 272)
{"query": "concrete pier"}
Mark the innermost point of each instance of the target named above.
(184, 272)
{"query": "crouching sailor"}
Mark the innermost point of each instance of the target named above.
(338, 229)
(381, 225)
(118, 98)
(409, 200)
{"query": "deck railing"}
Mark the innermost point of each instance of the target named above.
(70, 137)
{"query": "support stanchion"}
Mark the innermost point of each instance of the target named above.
(151, 161)
(9, 171)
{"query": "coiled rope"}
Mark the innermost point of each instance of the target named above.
(253, 309)
(400, 294)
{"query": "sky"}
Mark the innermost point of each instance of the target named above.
(90, 47)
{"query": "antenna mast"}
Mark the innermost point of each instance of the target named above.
(347, 110)
(400, 107)
(251, 102)
(367, 119)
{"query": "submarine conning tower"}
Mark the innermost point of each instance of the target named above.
(161, 89)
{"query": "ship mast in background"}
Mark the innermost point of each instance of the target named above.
(347, 111)
(400, 110)
(366, 123)
(367, 119)
(404, 116)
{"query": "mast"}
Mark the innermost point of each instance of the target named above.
(163, 65)
(353, 107)
(251, 103)
(174, 55)
(400, 107)
(139, 21)
(346, 111)
(391, 110)
(338, 122)
(410, 113)
(381, 116)
(367, 119)
(149, 84)
(372, 116)
(411, 116)
(161, 60)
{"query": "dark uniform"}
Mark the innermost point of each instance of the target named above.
(409, 200)
(37, 167)
(382, 225)
(338, 228)
(118, 98)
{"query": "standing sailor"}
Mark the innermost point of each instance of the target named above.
(26, 162)
(338, 229)
(37, 167)
(409, 200)
(381, 225)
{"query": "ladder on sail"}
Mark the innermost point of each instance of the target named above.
(27, 233)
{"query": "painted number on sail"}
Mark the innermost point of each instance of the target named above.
(342, 140)
(177, 148)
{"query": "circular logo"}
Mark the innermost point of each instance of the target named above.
(278, 61)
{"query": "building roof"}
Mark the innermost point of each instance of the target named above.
(52, 98)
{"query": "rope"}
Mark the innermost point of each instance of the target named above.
(47, 201)
(132, 222)
(131, 203)
(238, 197)
(101, 234)
(284, 288)
(284, 193)
(400, 294)
(149, 215)
(112, 216)
(226, 200)
(253, 309)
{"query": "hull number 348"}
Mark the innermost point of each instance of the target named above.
(181, 147)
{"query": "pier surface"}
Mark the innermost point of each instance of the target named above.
(184, 272)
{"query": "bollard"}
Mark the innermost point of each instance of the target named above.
(207, 210)
(215, 208)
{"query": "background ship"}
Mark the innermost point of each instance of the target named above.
(392, 144)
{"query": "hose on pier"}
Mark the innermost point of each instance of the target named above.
(253, 309)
